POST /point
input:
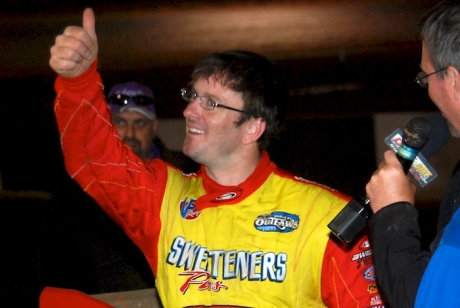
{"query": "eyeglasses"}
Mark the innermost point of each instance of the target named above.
(207, 103)
(139, 100)
(422, 80)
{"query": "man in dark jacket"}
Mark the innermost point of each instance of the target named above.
(406, 273)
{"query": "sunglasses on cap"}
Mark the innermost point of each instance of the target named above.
(122, 100)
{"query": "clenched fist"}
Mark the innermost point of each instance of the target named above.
(76, 49)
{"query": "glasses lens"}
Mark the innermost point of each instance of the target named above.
(188, 95)
(139, 100)
(207, 103)
(421, 79)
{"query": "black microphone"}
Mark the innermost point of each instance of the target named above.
(352, 219)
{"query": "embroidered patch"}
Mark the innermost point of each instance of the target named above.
(369, 274)
(228, 196)
(188, 209)
(364, 245)
(376, 300)
(363, 258)
(277, 222)
(372, 288)
(361, 255)
(202, 279)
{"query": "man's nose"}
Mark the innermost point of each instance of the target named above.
(130, 131)
(193, 108)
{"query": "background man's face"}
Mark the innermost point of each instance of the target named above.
(137, 131)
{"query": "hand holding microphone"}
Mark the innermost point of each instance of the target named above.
(388, 185)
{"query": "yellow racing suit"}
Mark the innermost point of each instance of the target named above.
(263, 243)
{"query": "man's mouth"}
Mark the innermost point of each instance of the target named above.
(196, 131)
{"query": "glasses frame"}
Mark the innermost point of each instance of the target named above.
(421, 77)
(188, 92)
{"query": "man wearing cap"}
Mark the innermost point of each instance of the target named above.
(82, 247)
(133, 113)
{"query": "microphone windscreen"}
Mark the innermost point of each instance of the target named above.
(440, 133)
(417, 133)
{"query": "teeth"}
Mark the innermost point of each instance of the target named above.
(196, 131)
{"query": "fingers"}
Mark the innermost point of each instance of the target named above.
(390, 167)
(75, 44)
(59, 63)
(69, 53)
(389, 184)
(390, 157)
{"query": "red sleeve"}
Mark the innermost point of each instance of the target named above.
(129, 190)
(348, 278)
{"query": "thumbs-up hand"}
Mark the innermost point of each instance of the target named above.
(76, 49)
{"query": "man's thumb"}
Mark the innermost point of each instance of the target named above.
(89, 23)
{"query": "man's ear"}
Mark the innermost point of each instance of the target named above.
(254, 129)
(453, 82)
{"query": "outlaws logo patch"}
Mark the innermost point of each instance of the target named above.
(277, 222)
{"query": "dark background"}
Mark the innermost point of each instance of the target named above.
(352, 60)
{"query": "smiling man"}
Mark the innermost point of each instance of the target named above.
(239, 233)
(409, 275)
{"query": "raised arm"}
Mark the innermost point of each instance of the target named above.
(95, 156)
(76, 48)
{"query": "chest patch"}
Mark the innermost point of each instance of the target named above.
(277, 222)
(188, 209)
